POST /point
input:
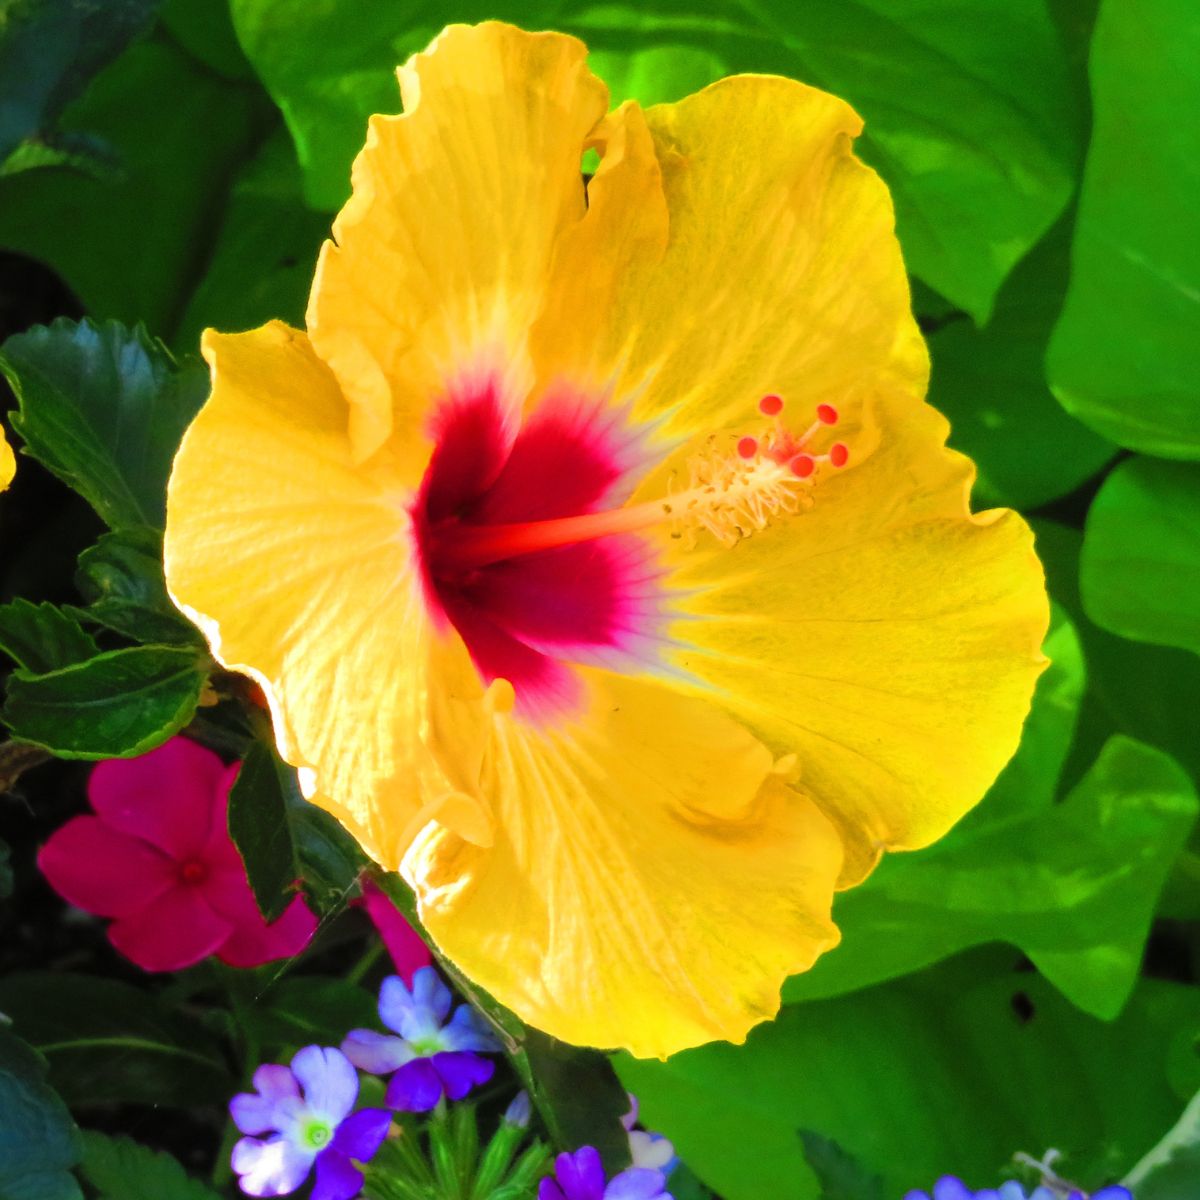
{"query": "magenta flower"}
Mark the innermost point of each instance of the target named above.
(408, 952)
(157, 857)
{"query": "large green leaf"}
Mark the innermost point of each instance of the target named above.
(38, 1140)
(265, 252)
(1125, 357)
(41, 637)
(117, 705)
(107, 1041)
(991, 383)
(969, 115)
(1171, 1170)
(130, 245)
(1073, 885)
(49, 49)
(120, 1169)
(104, 407)
(949, 1072)
(1140, 568)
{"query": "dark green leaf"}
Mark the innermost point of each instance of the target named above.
(38, 1140)
(262, 263)
(303, 1009)
(117, 705)
(41, 637)
(971, 122)
(948, 1072)
(1125, 357)
(1140, 568)
(204, 30)
(130, 247)
(6, 875)
(122, 577)
(1171, 1170)
(107, 1041)
(78, 151)
(282, 838)
(991, 383)
(841, 1176)
(49, 49)
(104, 407)
(121, 1169)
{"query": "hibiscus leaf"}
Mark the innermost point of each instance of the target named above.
(121, 1169)
(42, 637)
(110, 1042)
(947, 1072)
(1140, 568)
(841, 1175)
(38, 1140)
(104, 408)
(1170, 1170)
(1125, 357)
(971, 121)
(117, 705)
(282, 838)
(122, 577)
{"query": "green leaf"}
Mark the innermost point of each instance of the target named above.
(109, 1042)
(262, 263)
(122, 577)
(1145, 691)
(117, 705)
(282, 838)
(303, 1009)
(130, 246)
(1074, 886)
(41, 637)
(104, 408)
(49, 49)
(204, 29)
(1140, 568)
(991, 384)
(948, 1072)
(121, 1169)
(971, 122)
(38, 1140)
(841, 1176)
(1171, 1169)
(1125, 357)
(6, 874)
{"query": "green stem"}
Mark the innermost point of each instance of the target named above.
(233, 983)
(373, 954)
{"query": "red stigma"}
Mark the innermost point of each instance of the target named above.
(748, 447)
(839, 454)
(802, 466)
(771, 406)
(827, 414)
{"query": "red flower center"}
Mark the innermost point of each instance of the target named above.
(193, 872)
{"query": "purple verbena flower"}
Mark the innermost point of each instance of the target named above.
(429, 1057)
(951, 1188)
(306, 1110)
(580, 1176)
(646, 1149)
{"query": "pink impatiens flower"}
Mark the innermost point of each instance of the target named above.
(158, 858)
(403, 943)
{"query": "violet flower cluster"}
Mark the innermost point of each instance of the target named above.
(580, 1176)
(300, 1118)
(951, 1188)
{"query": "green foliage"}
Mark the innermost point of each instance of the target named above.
(948, 1071)
(1125, 357)
(107, 1041)
(38, 1140)
(282, 838)
(303, 1009)
(1140, 570)
(41, 637)
(120, 1169)
(1171, 1169)
(104, 408)
(840, 1175)
(117, 705)
(971, 122)
(49, 49)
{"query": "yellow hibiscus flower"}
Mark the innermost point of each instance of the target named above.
(602, 565)
(8, 462)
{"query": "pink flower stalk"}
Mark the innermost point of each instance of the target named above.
(158, 858)
(403, 943)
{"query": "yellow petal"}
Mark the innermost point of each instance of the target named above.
(885, 636)
(733, 246)
(652, 882)
(8, 463)
(442, 252)
(297, 566)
